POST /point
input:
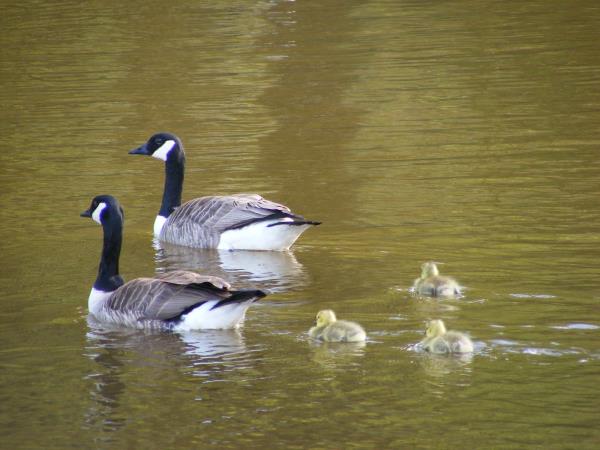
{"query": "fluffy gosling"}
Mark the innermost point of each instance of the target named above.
(329, 329)
(438, 340)
(433, 284)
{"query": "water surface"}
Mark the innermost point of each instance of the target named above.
(461, 132)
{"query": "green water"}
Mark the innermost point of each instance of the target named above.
(462, 132)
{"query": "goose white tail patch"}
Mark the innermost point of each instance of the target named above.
(163, 151)
(222, 318)
(261, 236)
(158, 225)
(98, 211)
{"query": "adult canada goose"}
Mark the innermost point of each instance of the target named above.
(329, 329)
(229, 222)
(438, 340)
(178, 300)
(432, 283)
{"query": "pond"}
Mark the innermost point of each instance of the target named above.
(460, 132)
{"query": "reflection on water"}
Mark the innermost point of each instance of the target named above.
(507, 346)
(199, 348)
(441, 365)
(113, 351)
(444, 373)
(214, 353)
(431, 307)
(332, 355)
(460, 131)
(213, 343)
(107, 387)
(275, 271)
(127, 361)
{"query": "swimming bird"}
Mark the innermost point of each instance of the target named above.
(438, 340)
(432, 283)
(229, 222)
(178, 300)
(329, 329)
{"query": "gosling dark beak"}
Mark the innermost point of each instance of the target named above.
(86, 213)
(143, 150)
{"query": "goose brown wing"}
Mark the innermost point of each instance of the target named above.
(185, 277)
(167, 297)
(228, 212)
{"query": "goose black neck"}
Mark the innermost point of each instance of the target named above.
(108, 272)
(174, 169)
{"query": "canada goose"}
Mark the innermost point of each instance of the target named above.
(229, 222)
(438, 340)
(432, 283)
(178, 300)
(329, 329)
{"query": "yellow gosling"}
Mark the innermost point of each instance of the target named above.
(329, 329)
(438, 340)
(433, 284)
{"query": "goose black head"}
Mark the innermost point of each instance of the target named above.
(104, 208)
(163, 146)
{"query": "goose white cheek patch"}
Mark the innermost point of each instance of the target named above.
(162, 151)
(98, 211)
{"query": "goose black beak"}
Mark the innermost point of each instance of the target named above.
(86, 213)
(142, 150)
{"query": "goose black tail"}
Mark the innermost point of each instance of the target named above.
(296, 222)
(241, 297)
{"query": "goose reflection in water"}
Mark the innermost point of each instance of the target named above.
(332, 355)
(162, 346)
(275, 271)
(213, 343)
(118, 353)
(132, 363)
(444, 370)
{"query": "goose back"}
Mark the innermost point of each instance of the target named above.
(343, 331)
(200, 222)
(339, 331)
(163, 302)
(449, 342)
(437, 285)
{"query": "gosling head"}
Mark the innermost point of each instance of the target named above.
(435, 328)
(325, 317)
(429, 269)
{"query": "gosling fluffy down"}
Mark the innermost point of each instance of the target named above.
(433, 284)
(329, 329)
(438, 340)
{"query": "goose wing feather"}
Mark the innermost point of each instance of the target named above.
(167, 297)
(228, 212)
(185, 277)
